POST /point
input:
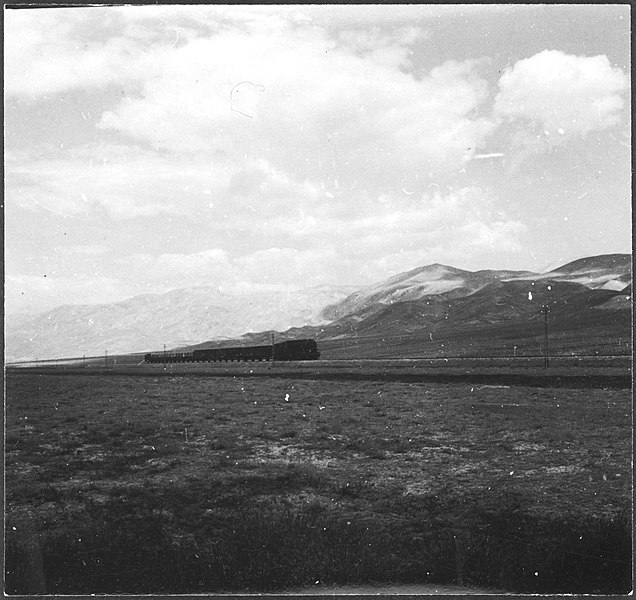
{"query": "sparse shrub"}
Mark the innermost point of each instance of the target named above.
(49, 493)
(399, 446)
(115, 443)
(142, 428)
(353, 489)
(265, 434)
(314, 507)
(334, 428)
(372, 447)
(300, 475)
(221, 442)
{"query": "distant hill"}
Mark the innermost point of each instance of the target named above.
(609, 271)
(408, 314)
(425, 282)
(443, 311)
(147, 322)
(610, 263)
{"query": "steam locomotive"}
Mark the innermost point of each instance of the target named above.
(288, 350)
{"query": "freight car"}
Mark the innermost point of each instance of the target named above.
(288, 350)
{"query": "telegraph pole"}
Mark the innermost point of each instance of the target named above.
(106, 359)
(164, 356)
(545, 309)
(272, 338)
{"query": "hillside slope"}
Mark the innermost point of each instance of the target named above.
(608, 271)
(441, 311)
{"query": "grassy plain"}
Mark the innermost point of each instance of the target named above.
(146, 483)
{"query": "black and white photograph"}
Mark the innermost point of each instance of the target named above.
(318, 299)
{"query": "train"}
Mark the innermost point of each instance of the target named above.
(286, 351)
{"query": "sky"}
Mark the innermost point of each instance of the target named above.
(255, 148)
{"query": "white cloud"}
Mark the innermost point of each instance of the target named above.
(274, 269)
(320, 120)
(289, 266)
(55, 50)
(274, 18)
(567, 95)
(435, 228)
(501, 236)
(315, 111)
(344, 248)
(208, 266)
(120, 182)
(382, 45)
(35, 293)
(83, 250)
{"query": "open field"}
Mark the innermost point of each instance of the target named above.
(564, 371)
(167, 482)
(562, 361)
(593, 334)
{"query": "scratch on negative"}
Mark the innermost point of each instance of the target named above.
(57, 212)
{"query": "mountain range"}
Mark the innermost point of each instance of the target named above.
(147, 322)
(434, 309)
(437, 311)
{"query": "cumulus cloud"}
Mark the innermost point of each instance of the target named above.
(344, 248)
(389, 46)
(51, 52)
(565, 94)
(313, 102)
(436, 227)
(318, 111)
(311, 116)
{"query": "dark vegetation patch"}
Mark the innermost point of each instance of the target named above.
(274, 548)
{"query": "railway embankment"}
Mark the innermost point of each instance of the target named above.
(597, 377)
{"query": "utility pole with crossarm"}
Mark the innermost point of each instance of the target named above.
(545, 309)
